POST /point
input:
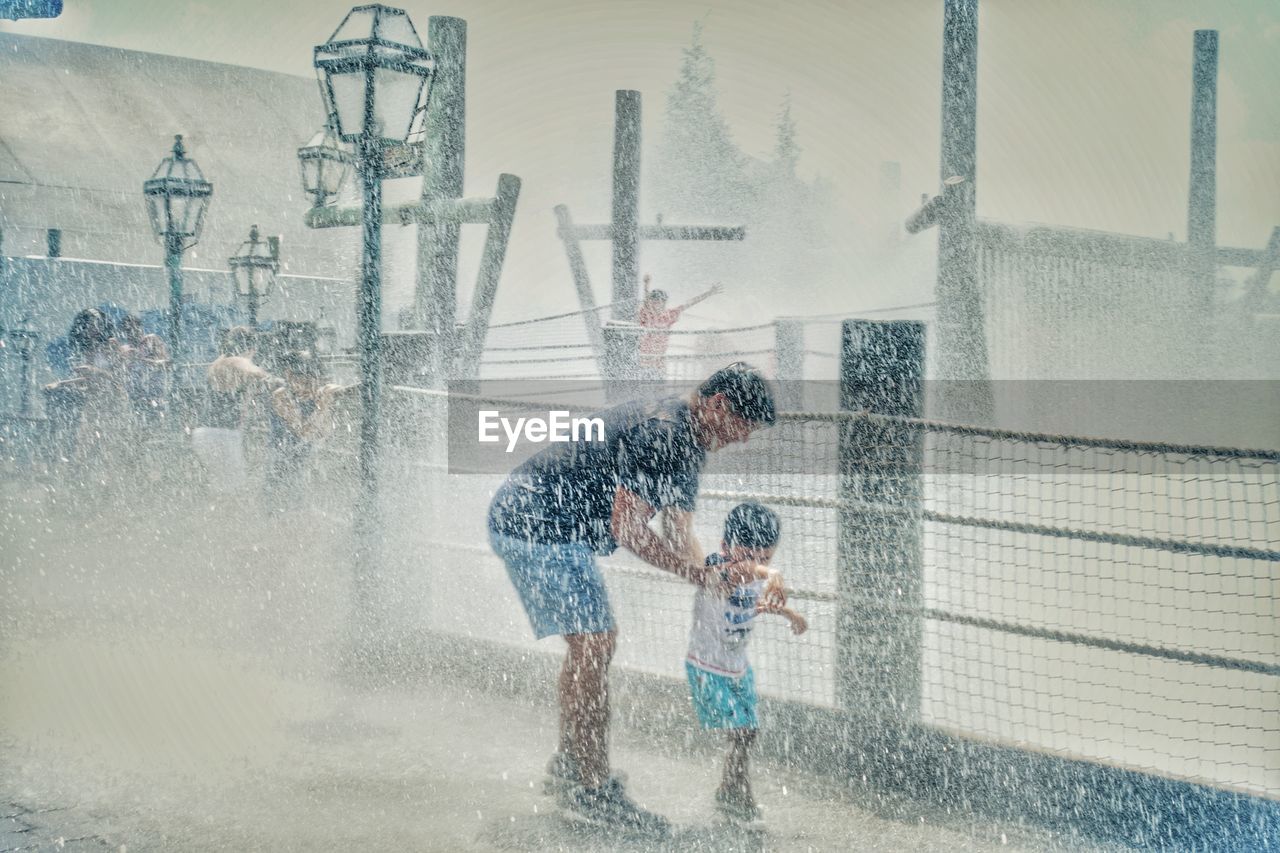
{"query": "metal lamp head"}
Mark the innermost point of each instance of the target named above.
(325, 162)
(254, 266)
(374, 75)
(177, 196)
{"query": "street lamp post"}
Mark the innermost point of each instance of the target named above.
(375, 78)
(254, 268)
(177, 196)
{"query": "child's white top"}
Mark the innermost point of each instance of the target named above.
(721, 627)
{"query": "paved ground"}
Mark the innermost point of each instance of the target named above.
(166, 682)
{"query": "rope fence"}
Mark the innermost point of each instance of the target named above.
(1137, 610)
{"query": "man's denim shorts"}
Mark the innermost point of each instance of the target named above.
(559, 585)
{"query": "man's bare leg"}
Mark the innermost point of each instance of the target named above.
(584, 704)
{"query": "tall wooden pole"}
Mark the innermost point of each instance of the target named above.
(436, 294)
(1202, 192)
(962, 341)
(626, 204)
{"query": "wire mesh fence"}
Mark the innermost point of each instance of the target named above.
(1112, 601)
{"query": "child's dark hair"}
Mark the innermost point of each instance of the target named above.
(752, 525)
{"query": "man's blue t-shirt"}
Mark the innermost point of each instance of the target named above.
(565, 492)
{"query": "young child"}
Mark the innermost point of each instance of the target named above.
(720, 677)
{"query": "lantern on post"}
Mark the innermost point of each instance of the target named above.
(375, 79)
(177, 197)
(254, 269)
(325, 162)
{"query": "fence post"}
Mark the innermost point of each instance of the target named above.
(621, 365)
(880, 575)
(788, 351)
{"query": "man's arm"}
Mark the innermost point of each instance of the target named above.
(231, 373)
(629, 525)
(677, 527)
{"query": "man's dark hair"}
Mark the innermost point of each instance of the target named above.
(657, 295)
(747, 391)
(752, 525)
(90, 328)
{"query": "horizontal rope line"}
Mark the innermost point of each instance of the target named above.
(539, 360)
(841, 316)
(1164, 652)
(1034, 437)
(1125, 646)
(538, 346)
(1177, 546)
(707, 355)
(991, 432)
(1081, 441)
(550, 317)
(727, 331)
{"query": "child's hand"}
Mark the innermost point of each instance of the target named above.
(798, 624)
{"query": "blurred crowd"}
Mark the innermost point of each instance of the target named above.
(241, 423)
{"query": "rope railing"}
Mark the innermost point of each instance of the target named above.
(1024, 436)
(868, 602)
(1131, 604)
(1175, 546)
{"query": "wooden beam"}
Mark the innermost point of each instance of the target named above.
(664, 232)
(581, 282)
(458, 211)
(495, 251)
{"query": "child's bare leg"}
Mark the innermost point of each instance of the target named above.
(735, 782)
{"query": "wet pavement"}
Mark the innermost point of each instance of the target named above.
(168, 684)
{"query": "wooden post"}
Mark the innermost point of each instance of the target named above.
(621, 361)
(880, 579)
(1202, 192)
(582, 282)
(626, 205)
(788, 349)
(962, 341)
(495, 250)
(436, 294)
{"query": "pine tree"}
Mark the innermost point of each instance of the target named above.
(700, 169)
(701, 176)
(786, 151)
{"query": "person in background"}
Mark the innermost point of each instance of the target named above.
(146, 362)
(655, 319)
(88, 408)
(234, 380)
(301, 415)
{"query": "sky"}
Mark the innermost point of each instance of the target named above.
(1084, 107)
